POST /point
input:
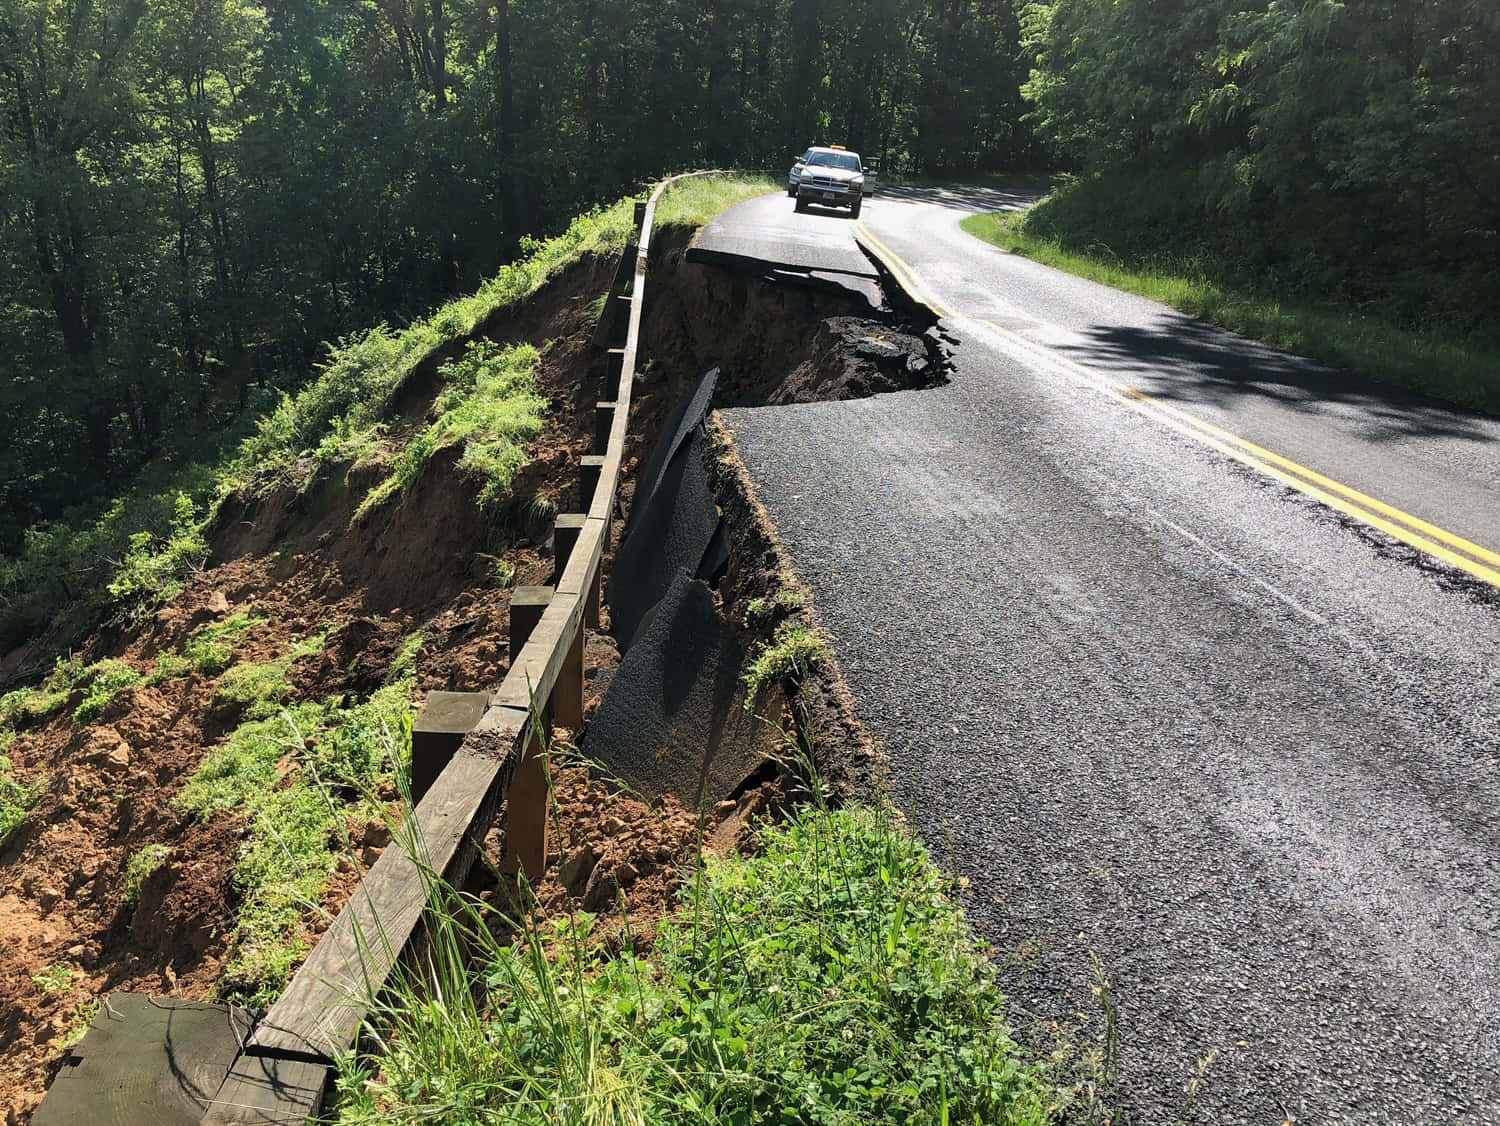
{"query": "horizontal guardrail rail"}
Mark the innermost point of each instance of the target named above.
(283, 1071)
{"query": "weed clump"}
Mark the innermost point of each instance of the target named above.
(139, 867)
(830, 978)
(16, 799)
(795, 650)
(105, 679)
(490, 406)
(210, 648)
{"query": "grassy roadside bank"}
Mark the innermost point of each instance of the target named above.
(826, 976)
(1433, 361)
(133, 552)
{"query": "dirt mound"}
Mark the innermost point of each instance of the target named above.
(626, 861)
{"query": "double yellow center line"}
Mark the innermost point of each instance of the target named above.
(1467, 556)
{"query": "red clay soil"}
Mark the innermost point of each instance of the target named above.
(295, 557)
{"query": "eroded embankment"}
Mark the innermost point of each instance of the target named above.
(111, 882)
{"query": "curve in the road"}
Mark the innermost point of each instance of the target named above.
(1164, 709)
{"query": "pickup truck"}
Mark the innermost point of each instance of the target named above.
(833, 176)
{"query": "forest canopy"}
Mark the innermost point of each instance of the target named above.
(200, 197)
(198, 193)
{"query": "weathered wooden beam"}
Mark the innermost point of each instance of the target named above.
(439, 731)
(604, 421)
(588, 478)
(564, 535)
(567, 696)
(320, 1011)
(263, 1090)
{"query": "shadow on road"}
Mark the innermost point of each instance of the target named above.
(961, 198)
(1183, 360)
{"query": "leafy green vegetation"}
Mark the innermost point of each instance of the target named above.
(210, 647)
(139, 867)
(16, 798)
(294, 776)
(1436, 361)
(793, 651)
(56, 978)
(490, 405)
(105, 680)
(257, 689)
(829, 978)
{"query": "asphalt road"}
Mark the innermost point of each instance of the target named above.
(1162, 707)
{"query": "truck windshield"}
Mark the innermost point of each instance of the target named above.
(835, 160)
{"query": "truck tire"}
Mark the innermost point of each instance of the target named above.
(801, 203)
(792, 192)
(855, 206)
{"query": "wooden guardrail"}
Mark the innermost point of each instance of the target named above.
(282, 1072)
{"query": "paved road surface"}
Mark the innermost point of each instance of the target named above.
(1159, 706)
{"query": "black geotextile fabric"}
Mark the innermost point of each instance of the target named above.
(686, 416)
(672, 721)
(672, 523)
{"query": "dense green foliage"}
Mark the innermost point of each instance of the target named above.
(137, 551)
(1345, 152)
(829, 979)
(197, 195)
(294, 773)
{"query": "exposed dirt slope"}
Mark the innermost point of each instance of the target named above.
(295, 559)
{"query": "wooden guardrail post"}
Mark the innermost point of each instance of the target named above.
(565, 531)
(604, 418)
(614, 363)
(438, 732)
(588, 479)
(526, 802)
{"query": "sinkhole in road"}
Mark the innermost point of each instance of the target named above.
(778, 338)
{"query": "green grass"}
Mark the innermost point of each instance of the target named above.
(793, 651)
(829, 978)
(787, 598)
(490, 406)
(1434, 361)
(257, 689)
(105, 680)
(210, 648)
(692, 203)
(139, 867)
(294, 776)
